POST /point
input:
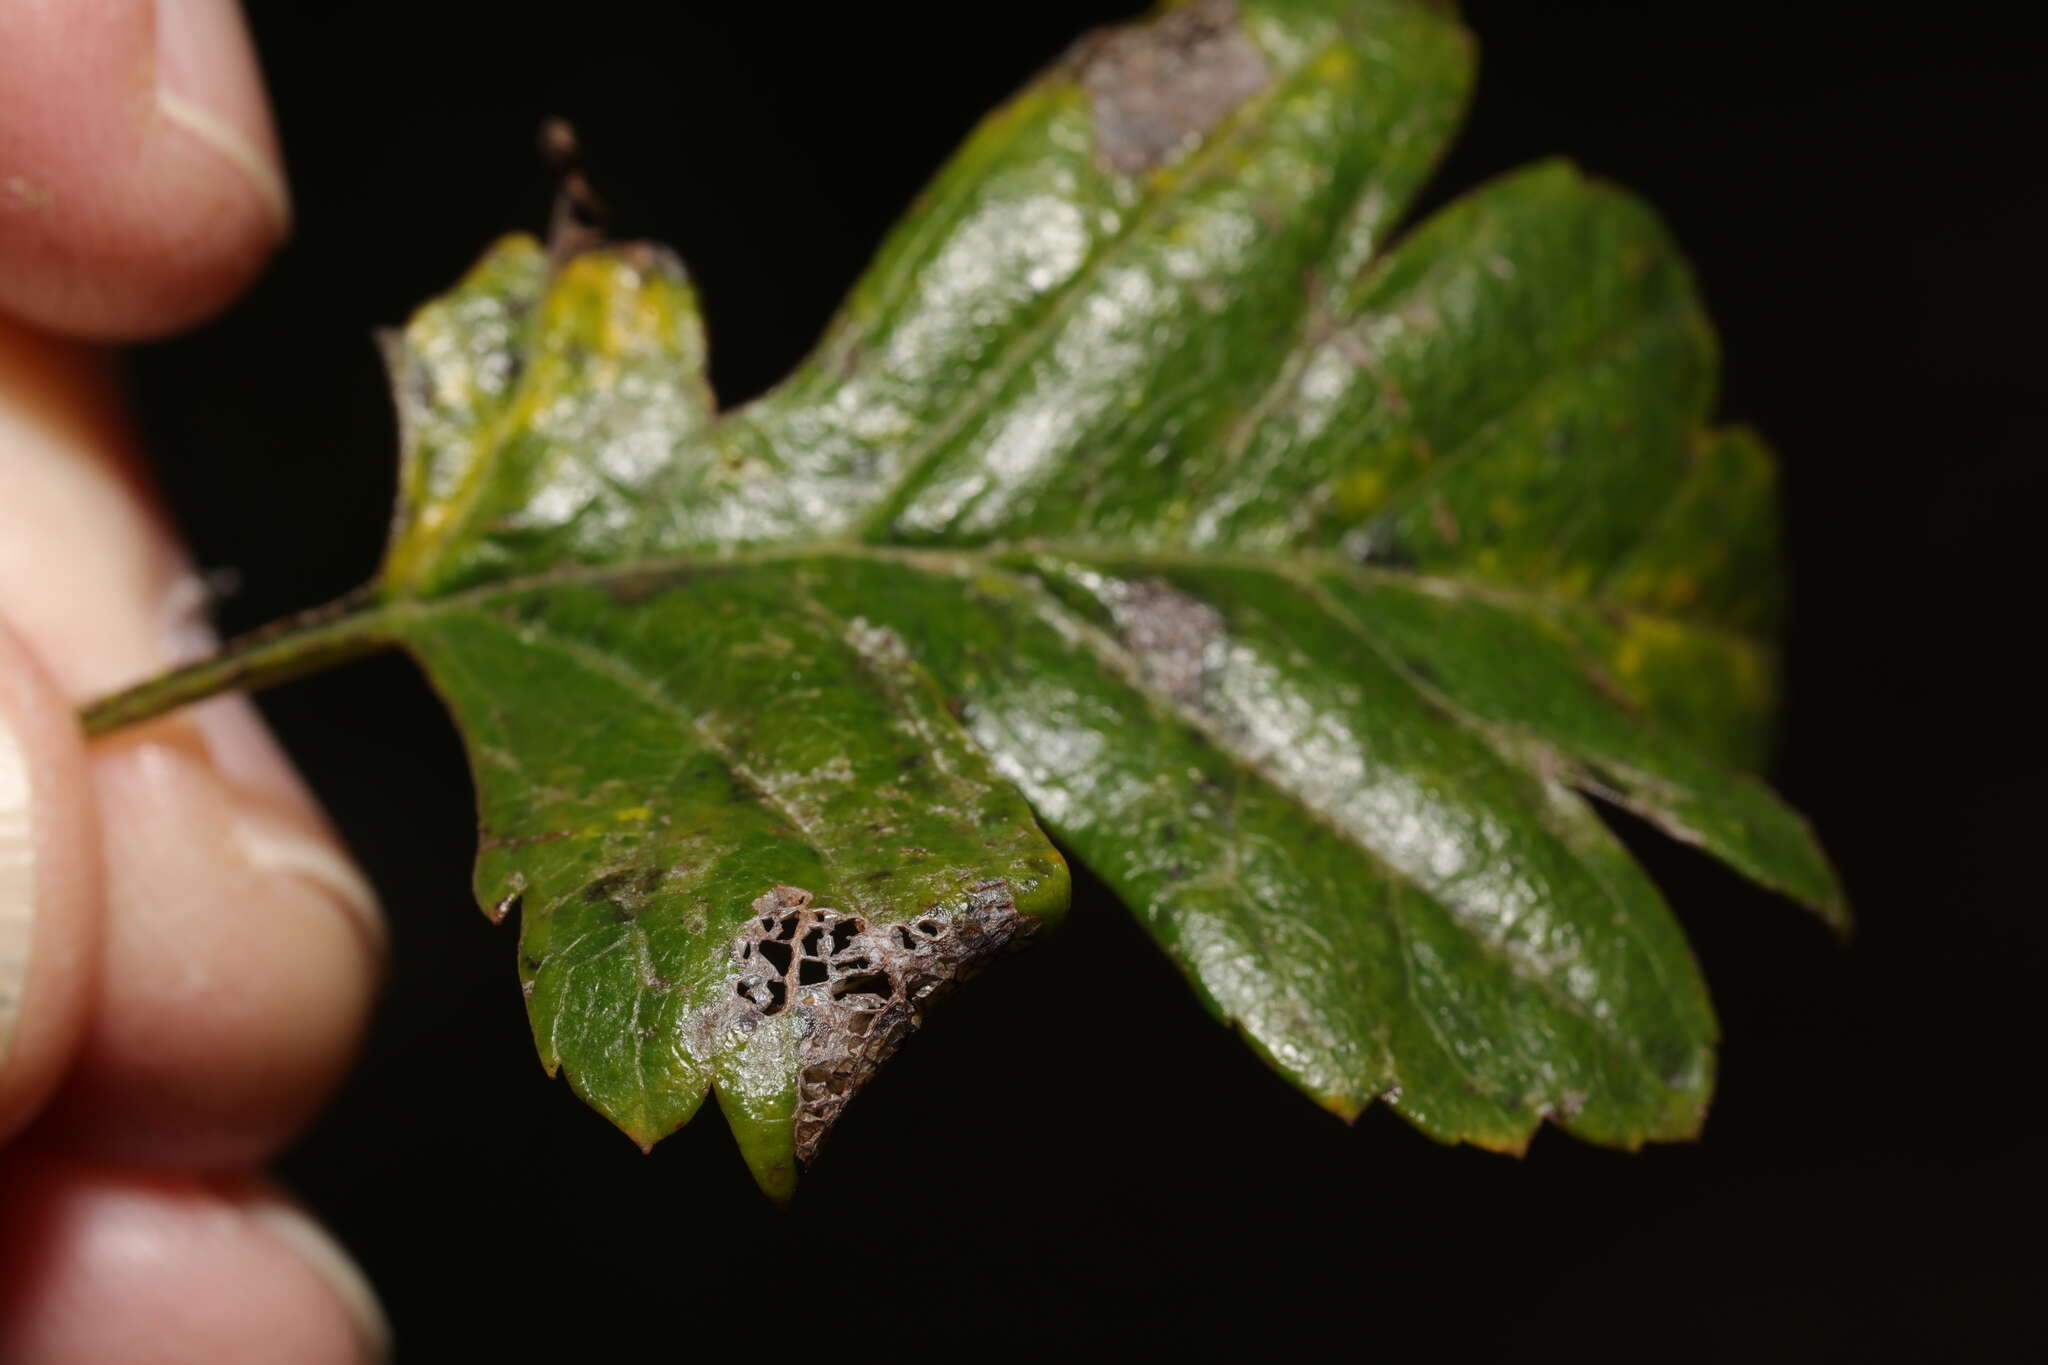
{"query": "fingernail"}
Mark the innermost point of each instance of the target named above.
(17, 881)
(319, 1250)
(208, 85)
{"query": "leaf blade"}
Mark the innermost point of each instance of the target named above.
(1304, 585)
(649, 770)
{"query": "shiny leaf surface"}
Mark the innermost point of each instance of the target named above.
(1148, 495)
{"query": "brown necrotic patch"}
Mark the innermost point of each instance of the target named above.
(1159, 87)
(860, 988)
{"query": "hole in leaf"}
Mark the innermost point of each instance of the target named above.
(842, 935)
(811, 942)
(777, 956)
(867, 983)
(768, 997)
(810, 972)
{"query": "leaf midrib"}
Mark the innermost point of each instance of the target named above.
(1012, 556)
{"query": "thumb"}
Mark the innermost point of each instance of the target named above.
(140, 183)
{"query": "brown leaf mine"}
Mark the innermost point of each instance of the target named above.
(859, 988)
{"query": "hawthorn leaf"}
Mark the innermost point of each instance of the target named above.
(1149, 495)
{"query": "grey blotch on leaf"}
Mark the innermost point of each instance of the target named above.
(1157, 87)
(1174, 637)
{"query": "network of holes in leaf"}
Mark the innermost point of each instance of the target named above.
(859, 989)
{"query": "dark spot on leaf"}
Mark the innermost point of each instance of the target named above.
(605, 888)
(1379, 548)
(1612, 692)
(1159, 87)
(1423, 670)
(628, 589)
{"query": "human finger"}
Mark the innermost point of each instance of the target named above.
(49, 885)
(239, 949)
(99, 1265)
(140, 180)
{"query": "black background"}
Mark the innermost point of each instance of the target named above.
(1073, 1156)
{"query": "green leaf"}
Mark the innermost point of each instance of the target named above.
(1301, 581)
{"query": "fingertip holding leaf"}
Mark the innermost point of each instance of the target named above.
(1144, 496)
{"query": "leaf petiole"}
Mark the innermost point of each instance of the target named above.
(312, 640)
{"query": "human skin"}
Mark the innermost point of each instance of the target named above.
(187, 956)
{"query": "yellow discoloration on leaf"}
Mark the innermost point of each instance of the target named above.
(1361, 494)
